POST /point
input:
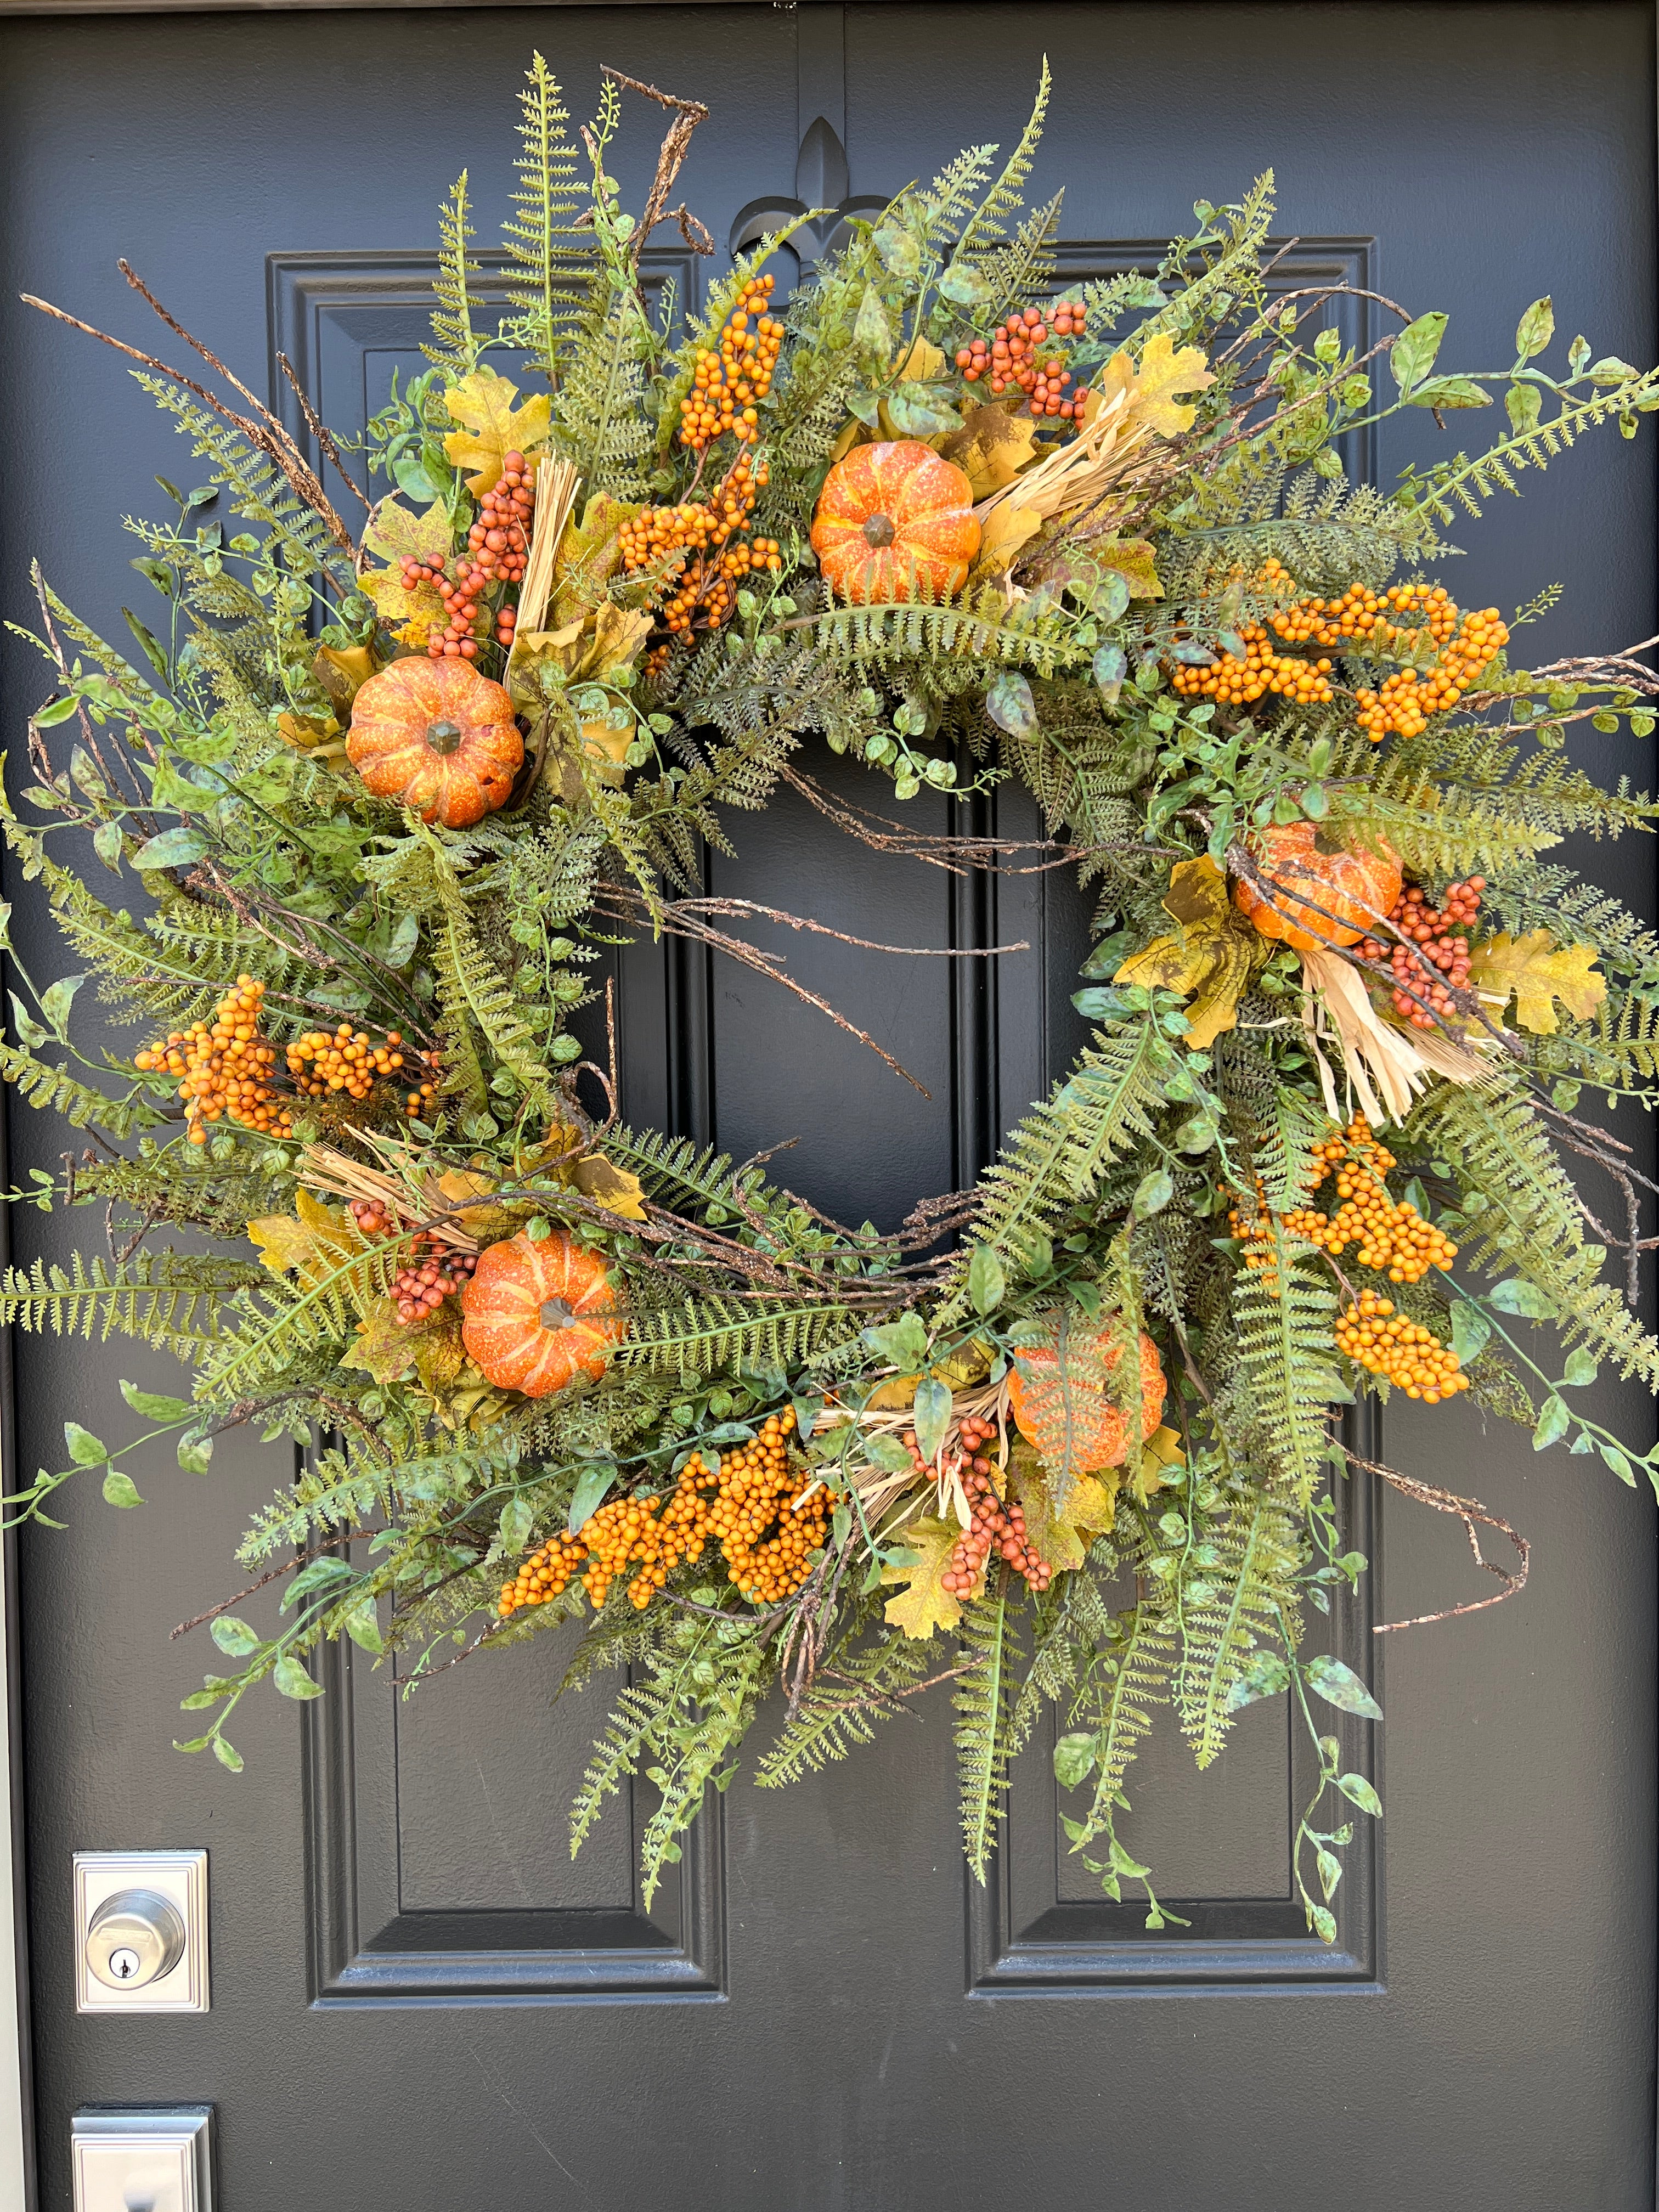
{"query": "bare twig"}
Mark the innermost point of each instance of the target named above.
(320, 431)
(1469, 1511)
(688, 113)
(266, 433)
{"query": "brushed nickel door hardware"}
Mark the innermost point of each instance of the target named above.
(157, 2160)
(141, 1930)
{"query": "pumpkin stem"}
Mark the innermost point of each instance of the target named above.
(879, 531)
(443, 737)
(556, 1314)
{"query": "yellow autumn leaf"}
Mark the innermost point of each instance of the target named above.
(1207, 955)
(304, 732)
(1160, 1456)
(1132, 557)
(922, 362)
(589, 556)
(283, 1242)
(383, 1347)
(395, 532)
(440, 1351)
(1537, 972)
(492, 427)
(1150, 389)
(991, 448)
(342, 671)
(613, 1188)
(1007, 527)
(1062, 1535)
(894, 1395)
(926, 1604)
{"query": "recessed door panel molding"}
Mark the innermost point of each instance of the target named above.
(383, 1930)
(1033, 1931)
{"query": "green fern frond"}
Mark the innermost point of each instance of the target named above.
(455, 345)
(551, 269)
(717, 1335)
(984, 1699)
(1246, 1592)
(851, 1692)
(1284, 1316)
(169, 1299)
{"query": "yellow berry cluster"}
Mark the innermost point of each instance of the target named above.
(1390, 1233)
(749, 1490)
(1359, 615)
(1412, 1358)
(1235, 683)
(728, 385)
(705, 531)
(225, 1066)
(322, 1062)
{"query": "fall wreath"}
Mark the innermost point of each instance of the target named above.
(388, 794)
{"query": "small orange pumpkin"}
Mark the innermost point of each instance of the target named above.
(437, 737)
(1046, 1412)
(893, 520)
(536, 1315)
(1355, 888)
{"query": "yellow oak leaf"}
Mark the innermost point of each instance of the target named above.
(1061, 1535)
(492, 427)
(893, 1396)
(1150, 389)
(312, 1242)
(1537, 972)
(439, 1353)
(613, 1188)
(991, 448)
(395, 530)
(1197, 892)
(1007, 527)
(926, 1604)
(304, 732)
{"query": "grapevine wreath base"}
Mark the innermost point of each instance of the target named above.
(388, 795)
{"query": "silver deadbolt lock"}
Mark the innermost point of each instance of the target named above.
(135, 1936)
(141, 1928)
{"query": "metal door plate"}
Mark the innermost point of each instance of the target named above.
(180, 1877)
(159, 2160)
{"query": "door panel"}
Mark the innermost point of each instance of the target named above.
(418, 1998)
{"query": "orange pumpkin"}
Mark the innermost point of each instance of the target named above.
(536, 1315)
(1047, 1412)
(1355, 888)
(893, 520)
(437, 737)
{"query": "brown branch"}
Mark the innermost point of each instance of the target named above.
(680, 919)
(688, 113)
(266, 434)
(320, 431)
(1469, 1511)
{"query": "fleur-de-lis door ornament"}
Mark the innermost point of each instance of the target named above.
(820, 192)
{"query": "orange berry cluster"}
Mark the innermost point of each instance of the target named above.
(1431, 963)
(1359, 615)
(499, 543)
(434, 1272)
(1391, 1234)
(1410, 696)
(1013, 356)
(1235, 683)
(323, 1061)
(422, 1287)
(715, 565)
(1412, 1358)
(994, 1526)
(750, 1491)
(728, 385)
(225, 1065)
(419, 1095)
